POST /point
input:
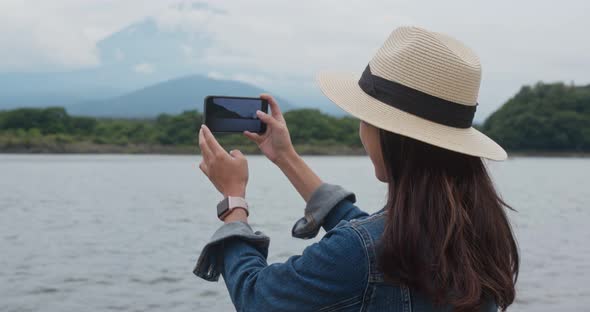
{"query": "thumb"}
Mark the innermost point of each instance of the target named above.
(236, 154)
(267, 119)
(254, 137)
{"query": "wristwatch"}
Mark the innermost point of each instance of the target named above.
(230, 203)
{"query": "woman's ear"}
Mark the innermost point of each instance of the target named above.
(370, 138)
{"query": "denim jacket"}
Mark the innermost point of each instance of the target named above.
(338, 273)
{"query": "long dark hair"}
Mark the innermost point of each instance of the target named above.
(447, 234)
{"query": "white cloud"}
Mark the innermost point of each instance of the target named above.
(61, 34)
(257, 80)
(519, 42)
(285, 35)
(186, 18)
(216, 75)
(254, 79)
(144, 68)
(119, 55)
(187, 50)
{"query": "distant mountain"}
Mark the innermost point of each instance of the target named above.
(54, 89)
(144, 54)
(139, 55)
(172, 97)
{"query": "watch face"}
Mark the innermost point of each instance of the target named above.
(227, 204)
(222, 207)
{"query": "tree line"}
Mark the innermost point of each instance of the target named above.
(540, 118)
(544, 117)
(307, 126)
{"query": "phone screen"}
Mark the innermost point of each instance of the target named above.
(234, 114)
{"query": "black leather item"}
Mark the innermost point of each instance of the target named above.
(222, 207)
(305, 228)
(318, 207)
(416, 102)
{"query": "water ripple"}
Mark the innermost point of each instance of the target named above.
(122, 233)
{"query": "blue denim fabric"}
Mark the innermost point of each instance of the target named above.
(339, 273)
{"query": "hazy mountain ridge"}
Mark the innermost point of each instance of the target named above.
(135, 57)
(173, 96)
(135, 63)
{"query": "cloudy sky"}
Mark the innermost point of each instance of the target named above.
(281, 44)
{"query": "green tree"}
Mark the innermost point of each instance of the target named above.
(544, 117)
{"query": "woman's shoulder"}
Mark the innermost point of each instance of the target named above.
(345, 241)
(341, 254)
(370, 226)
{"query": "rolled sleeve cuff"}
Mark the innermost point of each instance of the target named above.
(210, 260)
(321, 202)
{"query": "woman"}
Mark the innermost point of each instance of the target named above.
(441, 243)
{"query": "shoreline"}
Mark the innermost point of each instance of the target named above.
(85, 148)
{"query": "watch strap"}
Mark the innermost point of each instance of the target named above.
(228, 204)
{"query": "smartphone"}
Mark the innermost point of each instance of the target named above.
(234, 114)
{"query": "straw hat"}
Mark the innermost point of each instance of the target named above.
(422, 85)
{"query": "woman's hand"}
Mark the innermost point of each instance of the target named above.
(275, 142)
(227, 171)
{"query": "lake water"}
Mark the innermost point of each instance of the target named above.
(122, 233)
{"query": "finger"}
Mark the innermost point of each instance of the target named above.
(236, 154)
(267, 119)
(203, 168)
(254, 137)
(274, 106)
(205, 151)
(212, 143)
